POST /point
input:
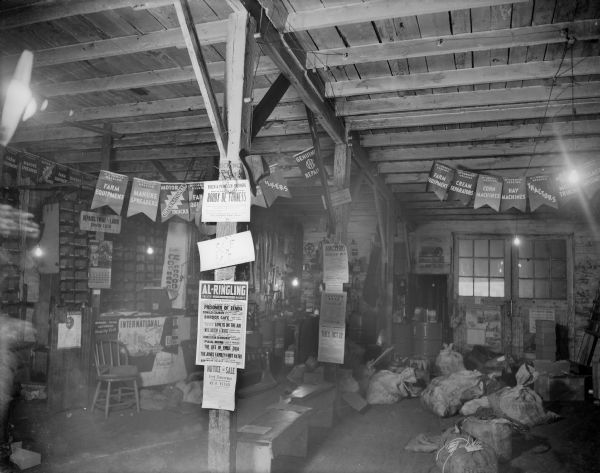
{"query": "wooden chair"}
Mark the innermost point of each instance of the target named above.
(113, 368)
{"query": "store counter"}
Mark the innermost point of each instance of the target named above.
(156, 343)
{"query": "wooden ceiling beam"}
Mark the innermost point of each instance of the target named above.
(192, 42)
(38, 12)
(483, 164)
(460, 77)
(164, 172)
(471, 98)
(486, 133)
(475, 114)
(483, 150)
(278, 50)
(450, 44)
(215, 71)
(374, 10)
(208, 33)
(268, 103)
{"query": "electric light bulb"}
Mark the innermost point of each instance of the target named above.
(295, 282)
(516, 240)
(38, 252)
(573, 177)
(150, 250)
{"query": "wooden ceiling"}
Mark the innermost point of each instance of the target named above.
(507, 88)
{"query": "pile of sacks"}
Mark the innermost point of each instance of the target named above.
(483, 439)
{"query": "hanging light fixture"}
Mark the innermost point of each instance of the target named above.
(18, 102)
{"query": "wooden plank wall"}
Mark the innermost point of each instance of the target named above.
(585, 259)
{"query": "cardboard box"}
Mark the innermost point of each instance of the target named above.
(25, 458)
(552, 368)
(560, 388)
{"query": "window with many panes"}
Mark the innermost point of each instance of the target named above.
(543, 269)
(481, 267)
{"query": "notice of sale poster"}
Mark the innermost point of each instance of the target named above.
(222, 310)
(218, 390)
(335, 265)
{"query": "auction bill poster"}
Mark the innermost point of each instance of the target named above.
(219, 387)
(222, 309)
(332, 327)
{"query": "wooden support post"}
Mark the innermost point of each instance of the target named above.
(192, 42)
(241, 57)
(312, 125)
(341, 176)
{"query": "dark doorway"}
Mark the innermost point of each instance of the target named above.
(430, 291)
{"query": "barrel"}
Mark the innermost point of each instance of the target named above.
(427, 339)
(402, 338)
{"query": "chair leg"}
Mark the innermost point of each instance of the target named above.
(107, 400)
(96, 394)
(137, 395)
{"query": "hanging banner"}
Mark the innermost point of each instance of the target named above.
(590, 177)
(29, 169)
(514, 194)
(175, 265)
(462, 187)
(332, 327)
(144, 198)
(46, 171)
(110, 191)
(195, 194)
(274, 185)
(489, 192)
(174, 201)
(61, 174)
(218, 388)
(258, 199)
(10, 168)
(226, 201)
(307, 163)
(222, 311)
(541, 192)
(95, 222)
(99, 270)
(566, 188)
(439, 179)
(75, 177)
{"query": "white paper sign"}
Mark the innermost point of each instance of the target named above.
(340, 197)
(69, 333)
(222, 311)
(218, 391)
(539, 313)
(226, 251)
(335, 264)
(95, 222)
(331, 344)
(226, 201)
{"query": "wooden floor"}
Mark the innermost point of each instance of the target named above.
(175, 441)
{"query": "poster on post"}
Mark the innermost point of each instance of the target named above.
(69, 332)
(99, 270)
(335, 265)
(226, 251)
(226, 201)
(332, 327)
(222, 310)
(218, 390)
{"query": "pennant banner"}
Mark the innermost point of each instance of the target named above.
(174, 201)
(61, 174)
(590, 176)
(29, 170)
(565, 186)
(514, 194)
(144, 198)
(110, 191)
(274, 185)
(439, 179)
(10, 168)
(307, 163)
(489, 192)
(541, 192)
(463, 186)
(196, 192)
(47, 171)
